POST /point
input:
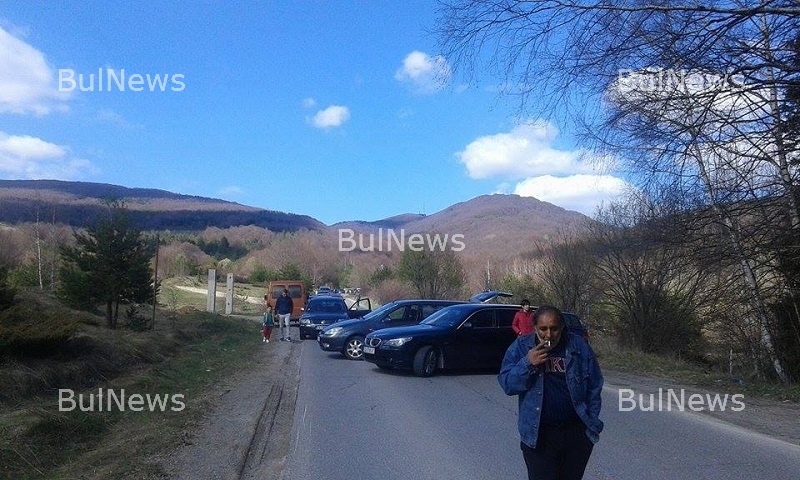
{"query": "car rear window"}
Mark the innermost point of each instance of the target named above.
(326, 305)
(295, 291)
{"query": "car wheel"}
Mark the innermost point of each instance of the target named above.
(426, 361)
(354, 348)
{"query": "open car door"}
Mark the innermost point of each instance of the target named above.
(360, 307)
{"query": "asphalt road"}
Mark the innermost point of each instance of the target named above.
(353, 421)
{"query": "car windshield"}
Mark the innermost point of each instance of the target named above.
(446, 317)
(326, 306)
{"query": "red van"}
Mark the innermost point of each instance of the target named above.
(297, 292)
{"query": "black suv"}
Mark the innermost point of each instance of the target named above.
(347, 337)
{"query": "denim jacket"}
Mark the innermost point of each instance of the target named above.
(584, 382)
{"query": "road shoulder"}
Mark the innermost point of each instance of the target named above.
(245, 433)
(779, 420)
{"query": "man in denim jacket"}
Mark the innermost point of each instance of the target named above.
(559, 390)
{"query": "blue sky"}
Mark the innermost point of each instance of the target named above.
(335, 109)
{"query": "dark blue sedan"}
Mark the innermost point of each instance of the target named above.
(467, 336)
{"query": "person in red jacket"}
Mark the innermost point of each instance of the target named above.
(523, 320)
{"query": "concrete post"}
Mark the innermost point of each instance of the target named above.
(211, 299)
(229, 296)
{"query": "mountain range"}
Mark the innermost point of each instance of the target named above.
(488, 220)
(80, 203)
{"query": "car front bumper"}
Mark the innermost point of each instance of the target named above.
(330, 344)
(389, 357)
(311, 330)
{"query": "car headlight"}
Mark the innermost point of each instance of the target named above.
(397, 342)
(304, 321)
(333, 331)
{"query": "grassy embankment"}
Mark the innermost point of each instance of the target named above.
(679, 371)
(182, 358)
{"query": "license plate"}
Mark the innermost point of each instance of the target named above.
(320, 327)
(370, 350)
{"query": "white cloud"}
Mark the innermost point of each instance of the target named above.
(27, 83)
(309, 102)
(426, 74)
(26, 157)
(573, 179)
(524, 151)
(333, 116)
(582, 193)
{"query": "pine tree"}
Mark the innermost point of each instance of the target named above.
(110, 264)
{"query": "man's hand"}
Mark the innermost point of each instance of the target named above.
(537, 355)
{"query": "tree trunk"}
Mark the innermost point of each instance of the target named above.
(760, 310)
(38, 252)
(110, 315)
(116, 312)
(778, 134)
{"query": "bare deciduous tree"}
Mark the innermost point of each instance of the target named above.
(568, 270)
(688, 97)
(652, 283)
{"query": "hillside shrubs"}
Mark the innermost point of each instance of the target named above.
(7, 292)
(44, 345)
(27, 328)
(787, 335)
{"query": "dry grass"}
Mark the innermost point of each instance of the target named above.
(613, 357)
(185, 355)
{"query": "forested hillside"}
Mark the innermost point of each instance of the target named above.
(78, 203)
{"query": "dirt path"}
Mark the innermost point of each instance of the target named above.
(246, 434)
(204, 291)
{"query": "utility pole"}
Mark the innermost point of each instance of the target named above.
(155, 287)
